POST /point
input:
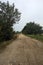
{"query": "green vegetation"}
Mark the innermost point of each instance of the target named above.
(9, 15)
(4, 44)
(38, 37)
(32, 28)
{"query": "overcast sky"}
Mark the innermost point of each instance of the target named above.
(32, 10)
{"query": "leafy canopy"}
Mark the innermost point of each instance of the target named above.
(32, 28)
(9, 15)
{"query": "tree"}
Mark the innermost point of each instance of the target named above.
(9, 15)
(32, 28)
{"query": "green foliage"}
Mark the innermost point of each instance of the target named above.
(32, 28)
(9, 15)
(38, 37)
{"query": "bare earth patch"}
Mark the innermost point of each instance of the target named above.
(23, 51)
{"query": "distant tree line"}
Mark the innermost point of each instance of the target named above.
(32, 28)
(9, 15)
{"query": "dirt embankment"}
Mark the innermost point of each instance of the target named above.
(23, 51)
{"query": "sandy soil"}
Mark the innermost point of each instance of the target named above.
(23, 51)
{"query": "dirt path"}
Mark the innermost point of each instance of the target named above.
(23, 51)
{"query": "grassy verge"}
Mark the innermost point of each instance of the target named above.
(38, 37)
